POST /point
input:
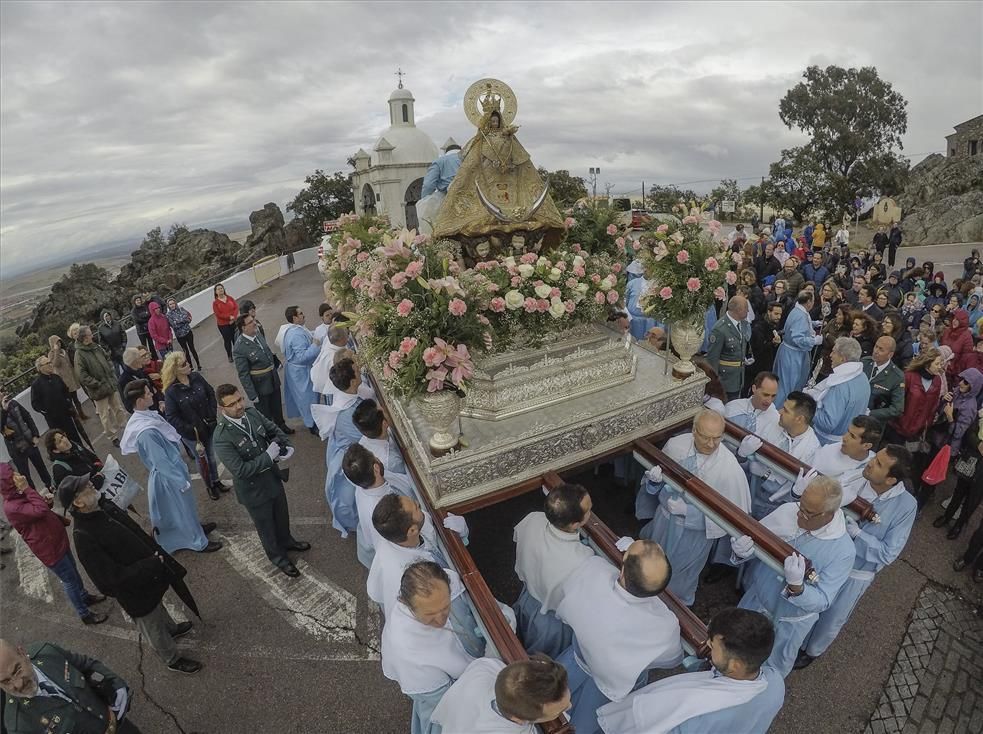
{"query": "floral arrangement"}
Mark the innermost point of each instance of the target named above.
(598, 230)
(421, 317)
(687, 267)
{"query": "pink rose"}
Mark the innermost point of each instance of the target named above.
(689, 220)
(530, 305)
(693, 285)
(529, 258)
(595, 278)
(561, 266)
(516, 281)
(662, 228)
(404, 307)
(433, 356)
(579, 272)
(554, 293)
(537, 283)
(356, 282)
(599, 297)
(362, 257)
(612, 296)
(571, 283)
(666, 293)
(542, 305)
(484, 320)
(457, 307)
(414, 269)
(569, 222)
(711, 264)
(620, 242)
(576, 247)
(714, 225)
(373, 230)
(394, 359)
(398, 280)
(616, 268)
(612, 230)
(719, 293)
(730, 277)
(388, 372)
(407, 345)
(682, 257)
(497, 304)
(569, 306)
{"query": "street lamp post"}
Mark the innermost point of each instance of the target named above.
(594, 173)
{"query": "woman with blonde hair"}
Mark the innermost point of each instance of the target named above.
(190, 406)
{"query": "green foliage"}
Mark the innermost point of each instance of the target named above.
(855, 121)
(324, 198)
(664, 198)
(358, 235)
(566, 190)
(599, 230)
(796, 183)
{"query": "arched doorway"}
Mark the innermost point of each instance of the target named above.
(412, 196)
(368, 200)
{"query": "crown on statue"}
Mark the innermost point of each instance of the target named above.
(491, 102)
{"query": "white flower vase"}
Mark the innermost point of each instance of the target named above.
(440, 410)
(687, 338)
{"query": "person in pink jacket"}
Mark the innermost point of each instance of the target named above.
(160, 330)
(44, 533)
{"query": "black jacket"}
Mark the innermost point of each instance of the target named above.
(191, 407)
(127, 376)
(112, 337)
(50, 397)
(79, 461)
(118, 556)
(141, 315)
(19, 428)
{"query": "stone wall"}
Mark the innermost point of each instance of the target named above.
(943, 201)
(961, 143)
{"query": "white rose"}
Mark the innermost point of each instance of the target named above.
(577, 297)
(555, 274)
(509, 261)
(557, 310)
(525, 270)
(578, 261)
(514, 300)
(556, 299)
(542, 262)
(543, 291)
(581, 288)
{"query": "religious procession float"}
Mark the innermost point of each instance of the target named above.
(491, 350)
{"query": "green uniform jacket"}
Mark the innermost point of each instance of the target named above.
(728, 347)
(87, 713)
(252, 356)
(94, 371)
(254, 475)
(886, 391)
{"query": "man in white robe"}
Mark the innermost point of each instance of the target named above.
(792, 434)
(739, 695)
(365, 471)
(378, 437)
(420, 649)
(621, 628)
(335, 339)
(842, 395)
(757, 412)
(406, 535)
(816, 529)
(877, 544)
(683, 532)
(491, 697)
(845, 459)
(548, 549)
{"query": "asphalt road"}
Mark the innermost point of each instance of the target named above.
(302, 656)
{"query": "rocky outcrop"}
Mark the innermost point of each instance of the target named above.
(297, 236)
(943, 201)
(267, 237)
(192, 256)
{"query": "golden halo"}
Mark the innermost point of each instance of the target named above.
(472, 100)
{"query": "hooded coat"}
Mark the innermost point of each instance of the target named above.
(62, 363)
(42, 530)
(965, 406)
(19, 428)
(94, 371)
(159, 328)
(141, 315)
(959, 339)
(111, 336)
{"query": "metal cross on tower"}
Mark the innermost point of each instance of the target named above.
(400, 73)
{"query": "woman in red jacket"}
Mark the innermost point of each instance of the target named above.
(959, 339)
(923, 395)
(44, 533)
(226, 310)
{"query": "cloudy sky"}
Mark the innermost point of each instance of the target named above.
(118, 117)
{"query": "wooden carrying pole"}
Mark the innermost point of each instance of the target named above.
(691, 627)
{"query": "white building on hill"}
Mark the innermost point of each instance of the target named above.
(389, 180)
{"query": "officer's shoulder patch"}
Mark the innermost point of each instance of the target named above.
(713, 337)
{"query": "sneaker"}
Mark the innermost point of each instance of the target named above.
(94, 598)
(181, 630)
(185, 665)
(93, 618)
(213, 545)
(802, 660)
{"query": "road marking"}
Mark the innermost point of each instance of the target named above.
(311, 603)
(33, 574)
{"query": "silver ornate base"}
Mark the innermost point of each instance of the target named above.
(570, 365)
(497, 454)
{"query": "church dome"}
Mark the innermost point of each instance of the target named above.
(401, 93)
(410, 145)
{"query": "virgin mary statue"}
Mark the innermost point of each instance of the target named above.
(497, 192)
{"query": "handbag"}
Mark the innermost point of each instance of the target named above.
(918, 447)
(936, 471)
(966, 466)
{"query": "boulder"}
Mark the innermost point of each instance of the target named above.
(267, 236)
(297, 236)
(943, 201)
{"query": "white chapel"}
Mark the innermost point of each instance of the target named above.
(389, 180)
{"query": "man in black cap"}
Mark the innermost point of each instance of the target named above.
(128, 565)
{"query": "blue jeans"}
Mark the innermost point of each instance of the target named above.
(68, 573)
(209, 455)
